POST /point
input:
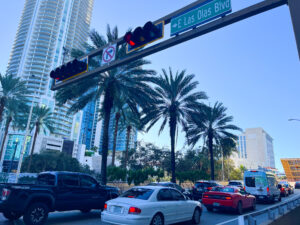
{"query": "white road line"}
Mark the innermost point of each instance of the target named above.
(228, 221)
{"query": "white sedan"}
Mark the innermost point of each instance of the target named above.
(154, 205)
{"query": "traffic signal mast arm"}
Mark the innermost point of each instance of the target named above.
(196, 32)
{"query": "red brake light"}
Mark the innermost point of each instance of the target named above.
(205, 196)
(134, 210)
(5, 194)
(268, 189)
(228, 198)
(209, 188)
(281, 189)
(105, 206)
(254, 171)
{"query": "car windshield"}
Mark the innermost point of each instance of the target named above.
(203, 185)
(138, 193)
(218, 188)
(235, 183)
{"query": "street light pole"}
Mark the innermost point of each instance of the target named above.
(26, 134)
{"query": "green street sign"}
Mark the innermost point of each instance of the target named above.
(203, 13)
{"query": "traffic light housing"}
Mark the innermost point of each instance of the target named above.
(69, 70)
(142, 36)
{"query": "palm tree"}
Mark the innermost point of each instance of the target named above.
(13, 89)
(41, 120)
(176, 99)
(130, 80)
(14, 113)
(212, 125)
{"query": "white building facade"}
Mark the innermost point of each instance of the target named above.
(254, 149)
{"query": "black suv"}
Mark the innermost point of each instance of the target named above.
(201, 187)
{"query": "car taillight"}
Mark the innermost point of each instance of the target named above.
(205, 196)
(228, 198)
(281, 189)
(134, 210)
(268, 189)
(209, 188)
(105, 206)
(5, 194)
(244, 188)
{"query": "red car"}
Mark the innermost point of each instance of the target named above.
(229, 197)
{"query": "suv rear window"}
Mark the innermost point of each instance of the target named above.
(256, 181)
(138, 193)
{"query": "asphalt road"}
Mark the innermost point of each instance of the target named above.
(93, 218)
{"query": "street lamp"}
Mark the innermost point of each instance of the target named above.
(26, 134)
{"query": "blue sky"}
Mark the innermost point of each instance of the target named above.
(251, 66)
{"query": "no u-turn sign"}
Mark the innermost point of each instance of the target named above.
(108, 54)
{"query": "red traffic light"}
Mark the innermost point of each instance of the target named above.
(128, 40)
(143, 35)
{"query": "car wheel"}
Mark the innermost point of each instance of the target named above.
(253, 205)
(85, 210)
(209, 208)
(196, 216)
(239, 208)
(36, 214)
(157, 220)
(11, 215)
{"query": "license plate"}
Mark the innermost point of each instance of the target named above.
(116, 209)
(216, 204)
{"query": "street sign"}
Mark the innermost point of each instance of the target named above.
(203, 13)
(109, 54)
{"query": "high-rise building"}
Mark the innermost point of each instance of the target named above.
(47, 29)
(121, 137)
(254, 149)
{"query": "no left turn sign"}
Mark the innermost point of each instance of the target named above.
(109, 54)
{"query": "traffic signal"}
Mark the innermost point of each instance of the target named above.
(70, 69)
(142, 36)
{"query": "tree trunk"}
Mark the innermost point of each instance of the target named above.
(107, 105)
(118, 115)
(5, 134)
(210, 148)
(127, 145)
(33, 145)
(2, 104)
(172, 135)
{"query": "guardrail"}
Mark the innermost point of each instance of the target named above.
(270, 214)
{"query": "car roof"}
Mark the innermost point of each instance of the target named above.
(151, 187)
(62, 172)
(206, 181)
(163, 182)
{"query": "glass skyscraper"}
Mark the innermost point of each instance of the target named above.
(47, 28)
